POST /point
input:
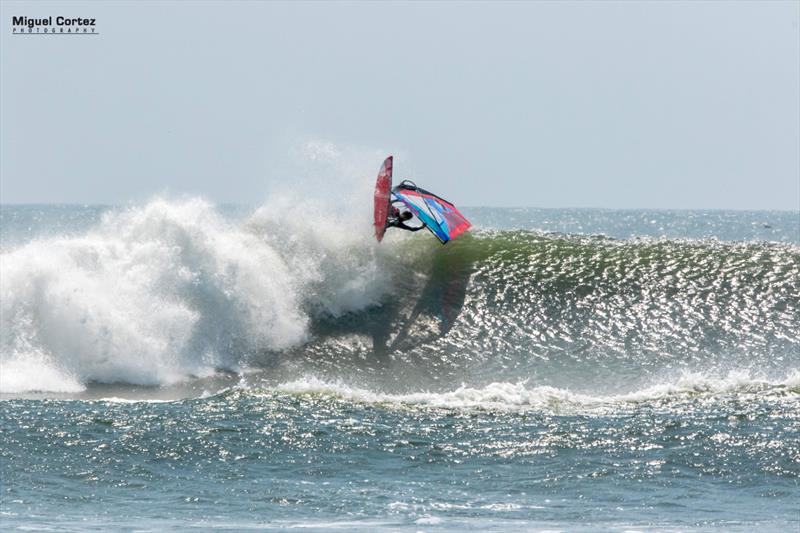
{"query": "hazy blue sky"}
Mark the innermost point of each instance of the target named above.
(551, 104)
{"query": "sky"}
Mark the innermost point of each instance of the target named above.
(687, 105)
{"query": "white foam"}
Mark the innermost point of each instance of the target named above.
(792, 381)
(705, 382)
(521, 395)
(16, 376)
(499, 395)
(170, 290)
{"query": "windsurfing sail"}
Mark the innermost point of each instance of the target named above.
(439, 216)
(383, 186)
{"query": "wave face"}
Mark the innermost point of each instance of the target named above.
(586, 313)
(171, 291)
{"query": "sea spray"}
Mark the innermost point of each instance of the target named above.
(152, 295)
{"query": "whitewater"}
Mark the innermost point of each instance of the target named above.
(177, 364)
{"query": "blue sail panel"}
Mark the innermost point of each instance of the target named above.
(439, 216)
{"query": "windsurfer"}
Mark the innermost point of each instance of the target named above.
(397, 219)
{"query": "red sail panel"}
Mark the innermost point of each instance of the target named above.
(383, 186)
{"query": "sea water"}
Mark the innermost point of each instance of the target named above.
(177, 365)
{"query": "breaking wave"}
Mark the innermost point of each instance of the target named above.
(174, 290)
(156, 294)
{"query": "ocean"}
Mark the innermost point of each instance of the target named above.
(178, 365)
